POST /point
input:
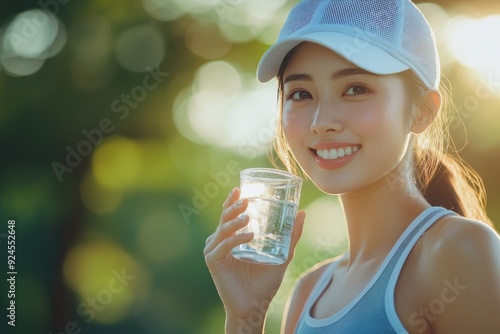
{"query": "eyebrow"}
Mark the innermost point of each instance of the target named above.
(335, 75)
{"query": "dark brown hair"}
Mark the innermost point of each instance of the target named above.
(443, 178)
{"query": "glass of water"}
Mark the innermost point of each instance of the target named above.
(273, 198)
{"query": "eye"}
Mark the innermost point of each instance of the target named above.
(298, 95)
(356, 90)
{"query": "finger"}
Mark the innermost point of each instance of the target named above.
(234, 215)
(225, 231)
(230, 201)
(233, 211)
(231, 198)
(298, 227)
(221, 251)
(210, 237)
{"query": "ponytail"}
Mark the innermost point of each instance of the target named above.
(455, 186)
(445, 179)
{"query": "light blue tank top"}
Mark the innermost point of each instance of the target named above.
(373, 310)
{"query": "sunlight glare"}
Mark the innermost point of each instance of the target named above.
(249, 190)
(474, 43)
(228, 112)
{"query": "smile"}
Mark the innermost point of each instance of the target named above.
(336, 153)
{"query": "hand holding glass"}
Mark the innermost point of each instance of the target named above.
(273, 198)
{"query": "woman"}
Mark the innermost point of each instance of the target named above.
(361, 116)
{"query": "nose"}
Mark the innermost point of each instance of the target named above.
(326, 119)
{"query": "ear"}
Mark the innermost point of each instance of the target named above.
(425, 111)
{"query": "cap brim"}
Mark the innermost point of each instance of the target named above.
(363, 54)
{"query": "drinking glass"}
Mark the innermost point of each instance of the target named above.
(273, 198)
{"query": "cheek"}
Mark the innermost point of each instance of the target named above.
(368, 121)
(294, 126)
(378, 121)
(289, 119)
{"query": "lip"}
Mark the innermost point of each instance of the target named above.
(330, 145)
(334, 163)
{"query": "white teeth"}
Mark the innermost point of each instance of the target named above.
(341, 153)
(336, 153)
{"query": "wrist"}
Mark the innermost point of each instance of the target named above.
(251, 322)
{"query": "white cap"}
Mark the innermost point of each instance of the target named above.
(379, 36)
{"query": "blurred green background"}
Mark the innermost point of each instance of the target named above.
(123, 126)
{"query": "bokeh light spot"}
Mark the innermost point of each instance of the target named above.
(117, 163)
(106, 278)
(31, 33)
(163, 10)
(237, 33)
(140, 47)
(225, 111)
(215, 86)
(206, 41)
(181, 117)
(30, 38)
(242, 21)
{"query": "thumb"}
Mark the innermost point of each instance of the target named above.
(298, 226)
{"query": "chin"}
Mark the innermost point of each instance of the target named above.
(333, 189)
(332, 185)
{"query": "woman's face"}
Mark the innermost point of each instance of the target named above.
(346, 127)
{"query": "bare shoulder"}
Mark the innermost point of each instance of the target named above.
(461, 260)
(301, 292)
(458, 246)
(312, 274)
(459, 241)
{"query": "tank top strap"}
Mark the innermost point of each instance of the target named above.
(406, 243)
(320, 285)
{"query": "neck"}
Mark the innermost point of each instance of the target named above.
(378, 214)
